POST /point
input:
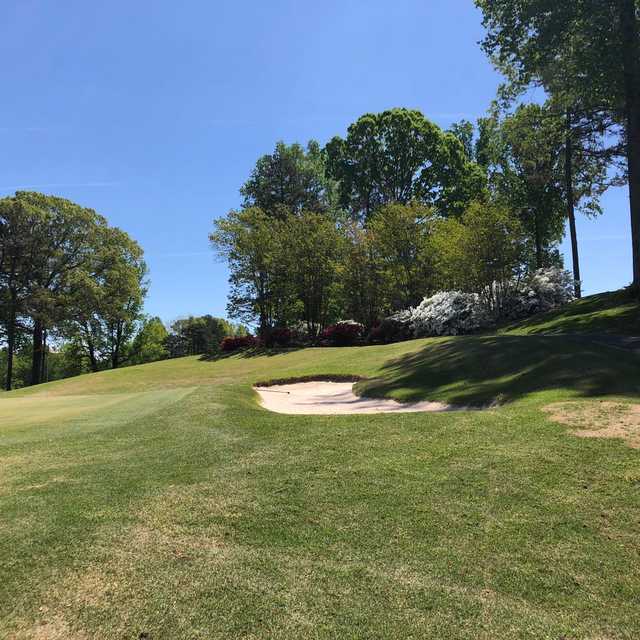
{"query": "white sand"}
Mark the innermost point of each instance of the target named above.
(323, 398)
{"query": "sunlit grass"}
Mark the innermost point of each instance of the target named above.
(162, 500)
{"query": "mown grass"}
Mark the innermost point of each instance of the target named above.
(613, 312)
(162, 502)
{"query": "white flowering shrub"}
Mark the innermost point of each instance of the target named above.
(449, 313)
(542, 290)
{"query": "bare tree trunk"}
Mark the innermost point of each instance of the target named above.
(538, 240)
(36, 359)
(630, 47)
(11, 344)
(571, 214)
(43, 371)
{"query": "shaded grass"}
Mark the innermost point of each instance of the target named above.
(175, 507)
(613, 312)
(481, 370)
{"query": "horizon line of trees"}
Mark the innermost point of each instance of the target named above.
(359, 229)
(72, 290)
(316, 224)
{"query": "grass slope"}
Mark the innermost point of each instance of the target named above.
(613, 312)
(162, 502)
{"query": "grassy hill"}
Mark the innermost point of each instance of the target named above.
(161, 501)
(613, 312)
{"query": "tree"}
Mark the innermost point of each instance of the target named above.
(531, 178)
(399, 156)
(586, 53)
(45, 241)
(362, 280)
(198, 335)
(464, 131)
(17, 247)
(314, 248)
(546, 168)
(150, 343)
(483, 253)
(106, 298)
(251, 242)
(289, 180)
(400, 238)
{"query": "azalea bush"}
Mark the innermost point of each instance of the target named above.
(542, 290)
(449, 313)
(280, 337)
(392, 329)
(342, 333)
(233, 343)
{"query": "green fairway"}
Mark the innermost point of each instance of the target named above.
(161, 501)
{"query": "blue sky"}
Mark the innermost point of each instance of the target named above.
(153, 113)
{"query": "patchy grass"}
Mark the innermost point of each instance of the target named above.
(600, 419)
(162, 502)
(613, 312)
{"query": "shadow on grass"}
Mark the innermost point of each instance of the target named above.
(249, 353)
(615, 312)
(478, 370)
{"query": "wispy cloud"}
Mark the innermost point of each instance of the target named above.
(52, 185)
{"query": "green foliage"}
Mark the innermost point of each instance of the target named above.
(481, 253)
(586, 55)
(64, 271)
(150, 343)
(107, 299)
(311, 250)
(362, 282)
(250, 241)
(400, 235)
(398, 156)
(198, 335)
(289, 180)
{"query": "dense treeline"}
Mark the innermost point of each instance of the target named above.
(398, 210)
(72, 290)
(586, 57)
(64, 272)
(368, 225)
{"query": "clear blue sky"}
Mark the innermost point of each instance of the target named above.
(153, 113)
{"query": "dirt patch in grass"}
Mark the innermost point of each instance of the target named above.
(55, 629)
(603, 419)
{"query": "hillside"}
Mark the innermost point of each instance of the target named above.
(613, 312)
(161, 501)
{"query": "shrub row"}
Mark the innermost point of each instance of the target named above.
(445, 313)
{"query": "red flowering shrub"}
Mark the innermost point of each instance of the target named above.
(342, 334)
(280, 337)
(233, 343)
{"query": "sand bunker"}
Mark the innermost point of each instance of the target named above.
(324, 398)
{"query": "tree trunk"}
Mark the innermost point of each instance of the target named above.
(115, 354)
(571, 214)
(631, 67)
(36, 360)
(538, 241)
(43, 371)
(11, 345)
